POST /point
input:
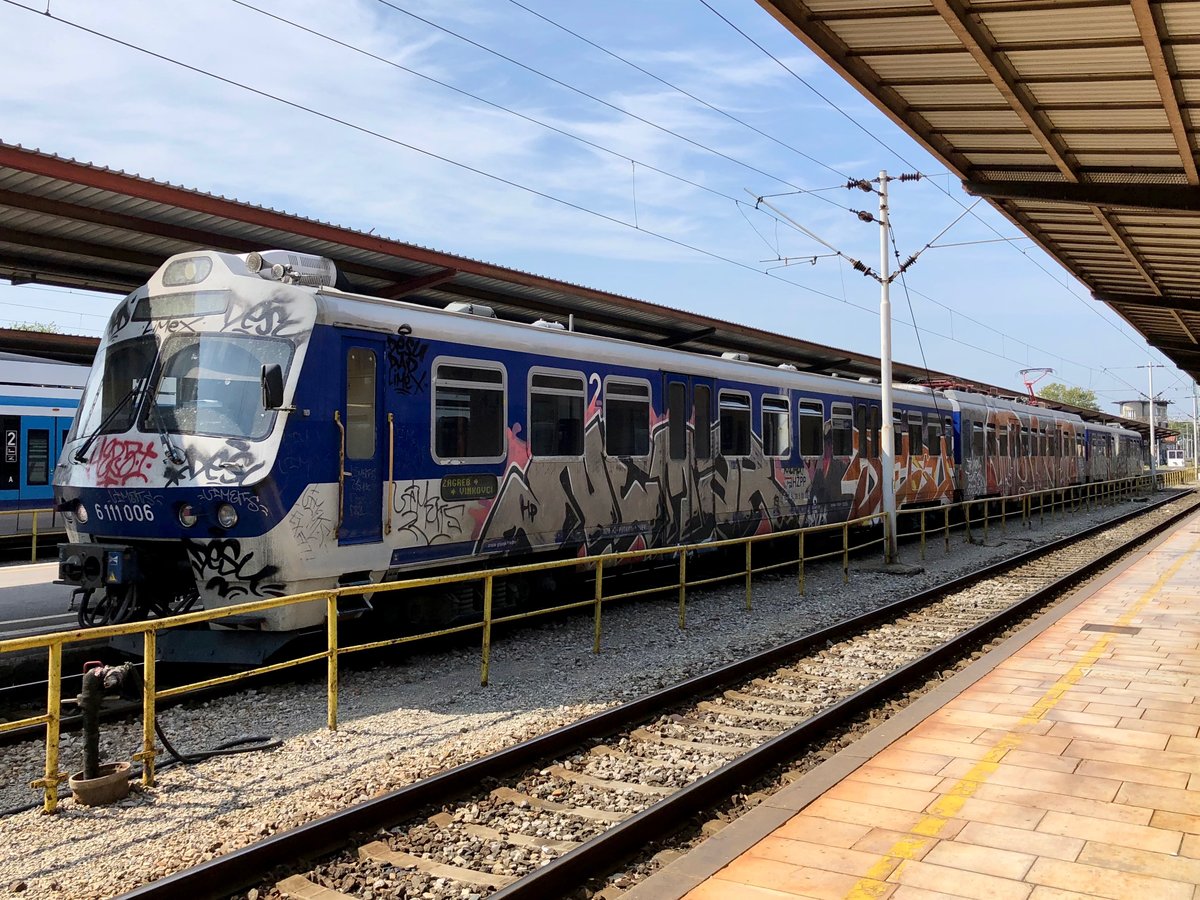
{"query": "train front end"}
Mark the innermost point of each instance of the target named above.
(165, 478)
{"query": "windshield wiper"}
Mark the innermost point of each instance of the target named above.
(174, 454)
(80, 455)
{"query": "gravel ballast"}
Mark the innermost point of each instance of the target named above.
(418, 716)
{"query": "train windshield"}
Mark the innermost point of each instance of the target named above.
(212, 385)
(111, 397)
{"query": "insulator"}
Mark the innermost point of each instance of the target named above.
(858, 266)
(863, 214)
(908, 262)
(910, 176)
(861, 183)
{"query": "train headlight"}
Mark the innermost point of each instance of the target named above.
(192, 270)
(187, 515)
(81, 513)
(226, 516)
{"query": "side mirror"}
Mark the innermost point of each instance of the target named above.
(272, 386)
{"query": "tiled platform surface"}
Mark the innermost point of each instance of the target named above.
(1064, 764)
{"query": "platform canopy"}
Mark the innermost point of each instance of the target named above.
(1075, 118)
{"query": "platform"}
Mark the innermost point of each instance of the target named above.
(1063, 764)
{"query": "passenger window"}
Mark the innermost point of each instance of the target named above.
(556, 413)
(468, 411)
(811, 414)
(992, 446)
(37, 456)
(860, 426)
(626, 418)
(776, 427)
(360, 403)
(949, 434)
(1025, 452)
(875, 422)
(933, 437)
(702, 410)
(735, 423)
(1002, 435)
(915, 421)
(897, 435)
(677, 419)
(842, 430)
(977, 439)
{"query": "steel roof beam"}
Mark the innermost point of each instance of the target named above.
(1122, 241)
(419, 283)
(975, 37)
(1168, 89)
(1183, 198)
(1163, 302)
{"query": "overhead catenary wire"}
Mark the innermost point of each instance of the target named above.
(506, 181)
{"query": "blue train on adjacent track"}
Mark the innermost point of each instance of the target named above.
(251, 430)
(38, 399)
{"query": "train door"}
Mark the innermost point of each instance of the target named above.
(39, 443)
(364, 440)
(689, 400)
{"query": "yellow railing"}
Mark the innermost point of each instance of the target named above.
(853, 539)
(35, 533)
(983, 514)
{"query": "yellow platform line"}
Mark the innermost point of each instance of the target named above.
(872, 885)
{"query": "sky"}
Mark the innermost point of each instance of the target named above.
(619, 145)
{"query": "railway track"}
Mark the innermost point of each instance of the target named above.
(545, 817)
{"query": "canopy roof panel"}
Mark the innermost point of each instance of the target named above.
(1077, 119)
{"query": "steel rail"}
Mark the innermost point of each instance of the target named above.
(249, 865)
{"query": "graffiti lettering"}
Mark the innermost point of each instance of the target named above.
(425, 517)
(311, 526)
(119, 462)
(222, 567)
(231, 464)
(272, 316)
(405, 356)
(247, 500)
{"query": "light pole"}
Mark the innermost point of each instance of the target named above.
(887, 449)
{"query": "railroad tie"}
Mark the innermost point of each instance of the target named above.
(378, 851)
(721, 709)
(608, 783)
(508, 795)
(728, 729)
(520, 840)
(641, 734)
(297, 887)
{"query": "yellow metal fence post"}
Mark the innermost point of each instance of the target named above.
(51, 779)
(33, 555)
(845, 554)
(599, 600)
(749, 570)
(886, 535)
(683, 589)
(331, 669)
(487, 630)
(947, 514)
(987, 518)
(922, 532)
(967, 523)
(149, 689)
(800, 566)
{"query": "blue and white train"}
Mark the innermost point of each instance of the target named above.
(38, 399)
(250, 430)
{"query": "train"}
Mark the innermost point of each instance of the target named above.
(38, 400)
(250, 429)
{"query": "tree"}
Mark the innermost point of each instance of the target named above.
(1076, 396)
(46, 327)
